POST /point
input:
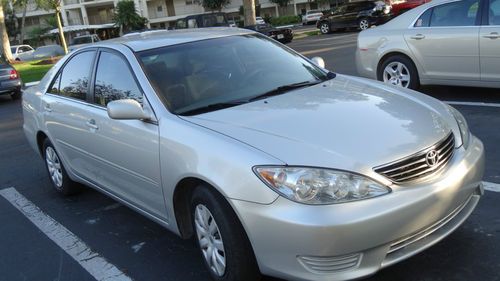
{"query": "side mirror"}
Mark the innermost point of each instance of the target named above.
(318, 61)
(126, 109)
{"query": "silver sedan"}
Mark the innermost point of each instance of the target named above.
(273, 164)
(450, 42)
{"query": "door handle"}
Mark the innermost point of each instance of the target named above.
(91, 124)
(493, 35)
(47, 107)
(418, 37)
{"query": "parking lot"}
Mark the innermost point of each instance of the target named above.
(93, 237)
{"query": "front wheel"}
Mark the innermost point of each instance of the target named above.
(399, 71)
(363, 24)
(324, 28)
(224, 245)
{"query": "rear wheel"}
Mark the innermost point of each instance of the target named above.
(399, 71)
(363, 24)
(57, 173)
(16, 95)
(324, 27)
(224, 245)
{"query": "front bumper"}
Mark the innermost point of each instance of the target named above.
(352, 240)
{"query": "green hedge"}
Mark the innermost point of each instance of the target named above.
(284, 20)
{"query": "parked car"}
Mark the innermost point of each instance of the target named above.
(232, 23)
(48, 51)
(401, 6)
(22, 52)
(83, 40)
(438, 43)
(361, 15)
(10, 82)
(272, 164)
(311, 16)
(259, 20)
(202, 20)
(284, 35)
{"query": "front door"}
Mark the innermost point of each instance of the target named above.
(489, 44)
(445, 41)
(126, 153)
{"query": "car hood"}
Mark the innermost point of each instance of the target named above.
(345, 123)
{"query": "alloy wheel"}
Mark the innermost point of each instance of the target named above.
(54, 166)
(396, 73)
(325, 28)
(364, 24)
(210, 240)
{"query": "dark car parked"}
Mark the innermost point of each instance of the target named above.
(202, 20)
(10, 82)
(284, 35)
(361, 14)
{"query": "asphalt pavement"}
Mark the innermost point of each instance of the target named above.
(143, 250)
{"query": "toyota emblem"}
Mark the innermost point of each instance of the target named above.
(431, 158)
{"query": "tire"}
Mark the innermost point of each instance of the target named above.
(57, 173)
(325, 28)
(16, 95)
(363, 23)
(240, 263)
(404, 66)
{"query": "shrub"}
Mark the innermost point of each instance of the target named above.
(284, 20)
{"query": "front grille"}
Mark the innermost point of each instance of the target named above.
(330, 265)
(420, 165)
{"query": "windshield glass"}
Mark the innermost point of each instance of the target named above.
(81, 40)
(223, 70)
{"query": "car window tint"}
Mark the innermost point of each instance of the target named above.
(424, 19)
(460, 13)
(75, 76)
(494, 12)
(114, 81)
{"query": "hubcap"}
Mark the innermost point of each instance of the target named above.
(325, 28)
(363, 24)
(397, 74)
(54, 166)
(210, 240)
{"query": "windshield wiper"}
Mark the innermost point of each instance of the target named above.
(283, 89)
(211, 107)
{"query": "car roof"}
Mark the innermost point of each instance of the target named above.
(151, 40)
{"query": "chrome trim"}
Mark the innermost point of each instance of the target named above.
(415, 167)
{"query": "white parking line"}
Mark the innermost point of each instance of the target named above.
(490, 104)
(91, 261)
(495, 187)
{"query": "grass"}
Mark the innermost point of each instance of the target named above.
(31, 71)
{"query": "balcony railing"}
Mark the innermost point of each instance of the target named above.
(75, 21)
(156, 14)
(100, 19)
(71, 2)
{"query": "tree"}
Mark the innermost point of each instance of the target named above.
(5, 37)
(283, 4)
(214, 5)
(127, 18)
(55, 5)
(23, 4)
(249, 10)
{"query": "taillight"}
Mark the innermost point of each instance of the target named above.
(13, 74)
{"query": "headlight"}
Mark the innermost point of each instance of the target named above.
(462, 125)
(317, 186)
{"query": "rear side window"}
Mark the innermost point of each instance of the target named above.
(114, 81)
(75, 76)
(494, 13)
(460, 13)
(424, 19)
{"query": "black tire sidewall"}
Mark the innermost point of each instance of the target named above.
(240, 259)
(16, 95)
(414, 78)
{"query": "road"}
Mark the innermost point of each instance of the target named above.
(142, 250)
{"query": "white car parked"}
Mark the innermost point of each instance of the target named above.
(311, 17)
(22, 52)
(260, 20)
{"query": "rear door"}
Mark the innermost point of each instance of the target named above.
(445, 41)
(489, 43)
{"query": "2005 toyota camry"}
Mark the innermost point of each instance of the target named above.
(273, 164)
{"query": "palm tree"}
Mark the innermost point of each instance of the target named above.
(24, 5)
(5, 37)
(127, 18)
(55, 5)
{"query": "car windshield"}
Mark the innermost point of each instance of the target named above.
(230, 70)
(81, 40)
